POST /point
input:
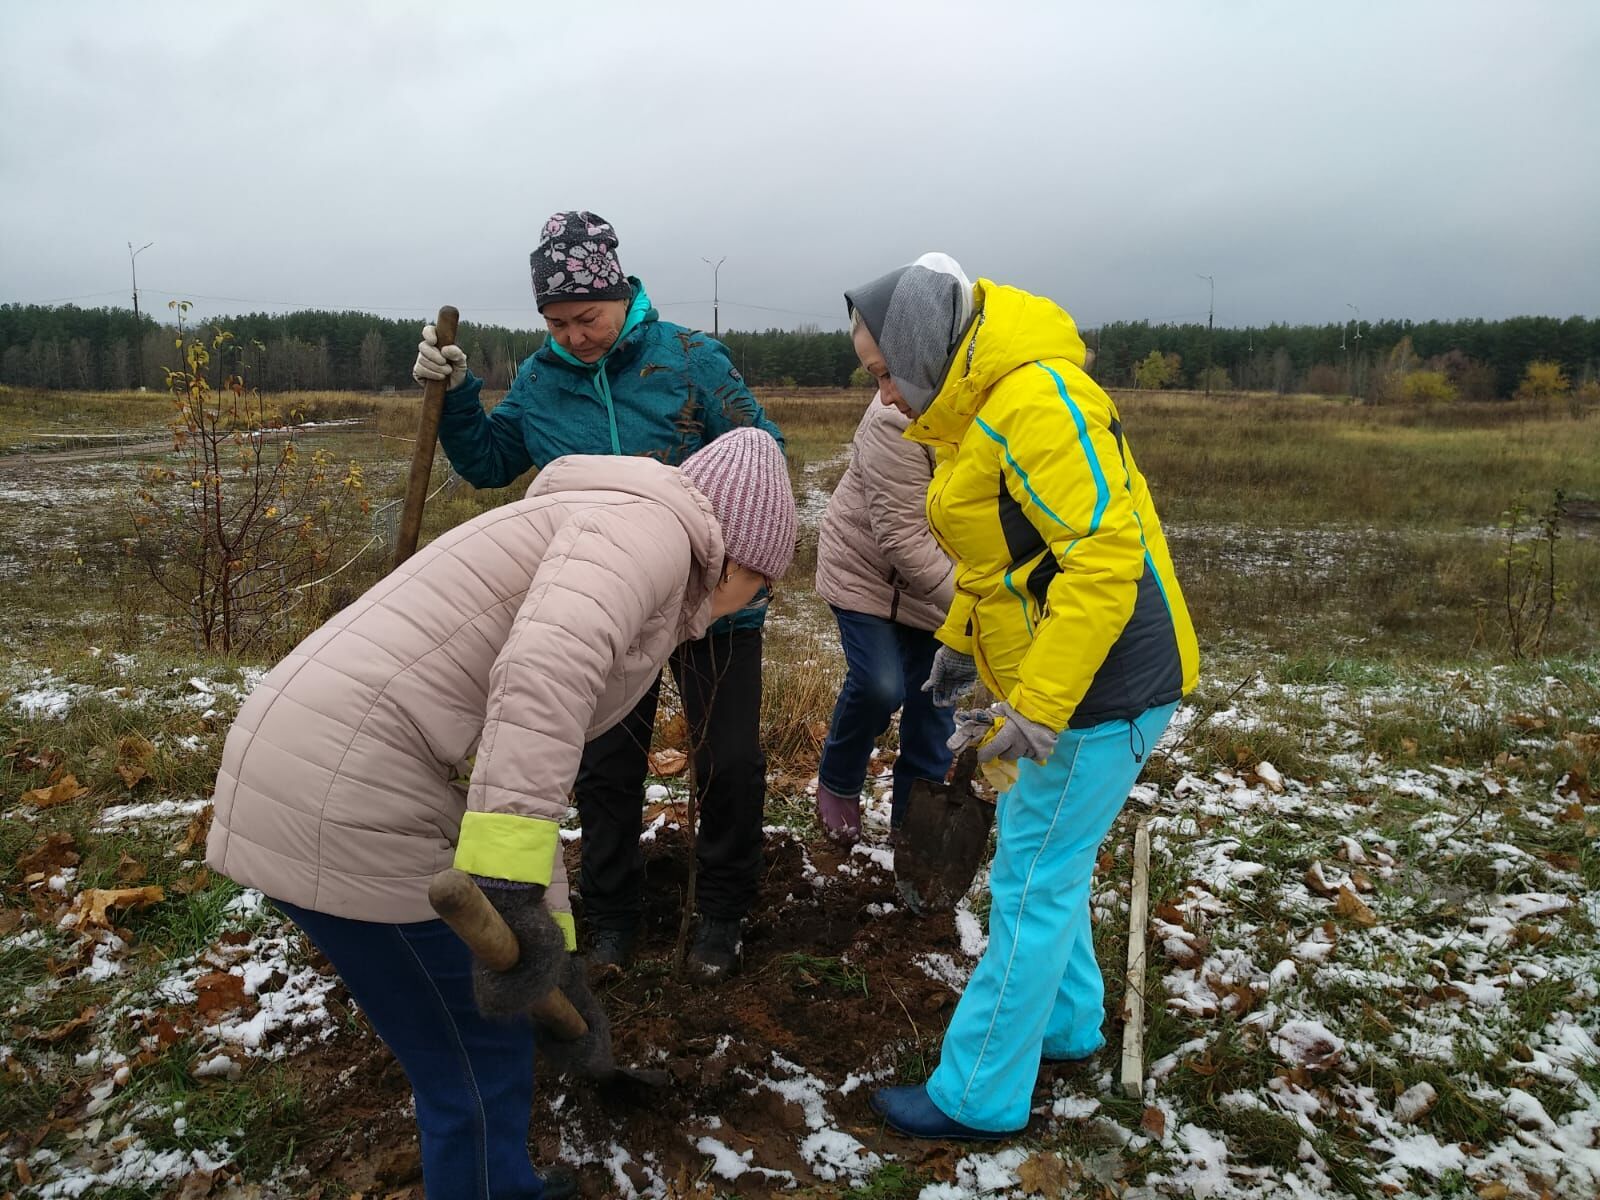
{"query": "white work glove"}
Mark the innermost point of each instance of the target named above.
(450, 363)
(972, 726)
(1018, 738)
(952, 677)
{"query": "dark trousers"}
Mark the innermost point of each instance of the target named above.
(719, 680)
(887, 664)
(472, 1078)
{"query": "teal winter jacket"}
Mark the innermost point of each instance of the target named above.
(662, 391)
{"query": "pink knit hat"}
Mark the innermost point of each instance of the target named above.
(744, 475)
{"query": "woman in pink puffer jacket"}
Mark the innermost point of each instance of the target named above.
(889, 585)
(511, 640)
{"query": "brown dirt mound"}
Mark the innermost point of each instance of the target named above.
(829, 985)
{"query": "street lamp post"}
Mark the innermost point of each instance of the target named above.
(138, 329)
(1210, 315)
(716, 270)
(1356, 374)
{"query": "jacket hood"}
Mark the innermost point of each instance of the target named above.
(650, 480)
(1011, 328)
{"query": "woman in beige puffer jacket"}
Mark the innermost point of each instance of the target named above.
(889, 585)
(510, 640)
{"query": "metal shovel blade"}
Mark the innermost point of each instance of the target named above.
(943, 841)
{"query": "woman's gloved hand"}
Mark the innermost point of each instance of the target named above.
(953, 675)
(541, 958)
(433, 362)
(590, 1055)
(972, 726)
(1018, 738)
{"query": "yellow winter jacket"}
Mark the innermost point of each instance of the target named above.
(1065, 593)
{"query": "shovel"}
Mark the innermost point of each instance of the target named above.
(464, 907)
(444, 330)
(944, 839)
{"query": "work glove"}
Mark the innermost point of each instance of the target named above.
(972, 726)
(953, 676)
(590, 1055)
(449, 363)
(542, 952)
(1018, 738)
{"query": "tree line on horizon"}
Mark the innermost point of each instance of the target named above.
(65, 347)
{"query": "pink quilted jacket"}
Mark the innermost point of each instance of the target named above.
(514, 637)
(875, 553)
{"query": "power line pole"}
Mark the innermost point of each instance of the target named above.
(1210, 316)
(138, 328)
(1356, 377)
(716, 270)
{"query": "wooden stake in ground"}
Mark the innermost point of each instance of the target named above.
(444, 330)
(1133, 989)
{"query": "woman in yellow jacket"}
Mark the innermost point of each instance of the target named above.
(1067, 608)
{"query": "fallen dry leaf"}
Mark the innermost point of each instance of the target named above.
(1154, 1122)
(668, 763)
(189, 884)
(1362, 881)
(1045, 1174)
(219, 992)
(93, 904)
(64, 790)
(1493, 1191)
(10, 918)
(58, 850)
(131, 774)
(195, 835)
(129, 869)
(61, 1032)
(1352, 906)
(1317, 880)
(196, 1185)
(674, 731)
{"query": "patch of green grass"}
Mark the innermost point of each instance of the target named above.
(1321, 668)
(891, 1181)
(263, 1117)
(1234, 1060)
(184, 926)
(812, 970)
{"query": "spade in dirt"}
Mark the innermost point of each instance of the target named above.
(464, 907)
(944, 839)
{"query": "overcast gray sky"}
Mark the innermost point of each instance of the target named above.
(1417, 160)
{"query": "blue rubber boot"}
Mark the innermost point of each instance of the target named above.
(910, 1111)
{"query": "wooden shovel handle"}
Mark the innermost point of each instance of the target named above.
(464, 907)
(444, 330)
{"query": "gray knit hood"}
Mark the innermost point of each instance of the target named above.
(916, 314)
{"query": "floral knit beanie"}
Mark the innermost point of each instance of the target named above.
(577, 260)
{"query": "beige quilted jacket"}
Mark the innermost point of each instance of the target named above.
(515, 637)
(875, 554)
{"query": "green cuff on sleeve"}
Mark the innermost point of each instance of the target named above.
(506, 846)
(569, 930)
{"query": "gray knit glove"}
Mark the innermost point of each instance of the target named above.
(506, 995)
(590, 1055)
(953, 676)
(1018, 738)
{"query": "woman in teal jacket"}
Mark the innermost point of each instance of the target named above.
(613, 378)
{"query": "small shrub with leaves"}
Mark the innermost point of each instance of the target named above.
(239, 526)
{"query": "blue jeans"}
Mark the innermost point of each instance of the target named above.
(1037, 989)
(473, 1078)
(887, 665)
